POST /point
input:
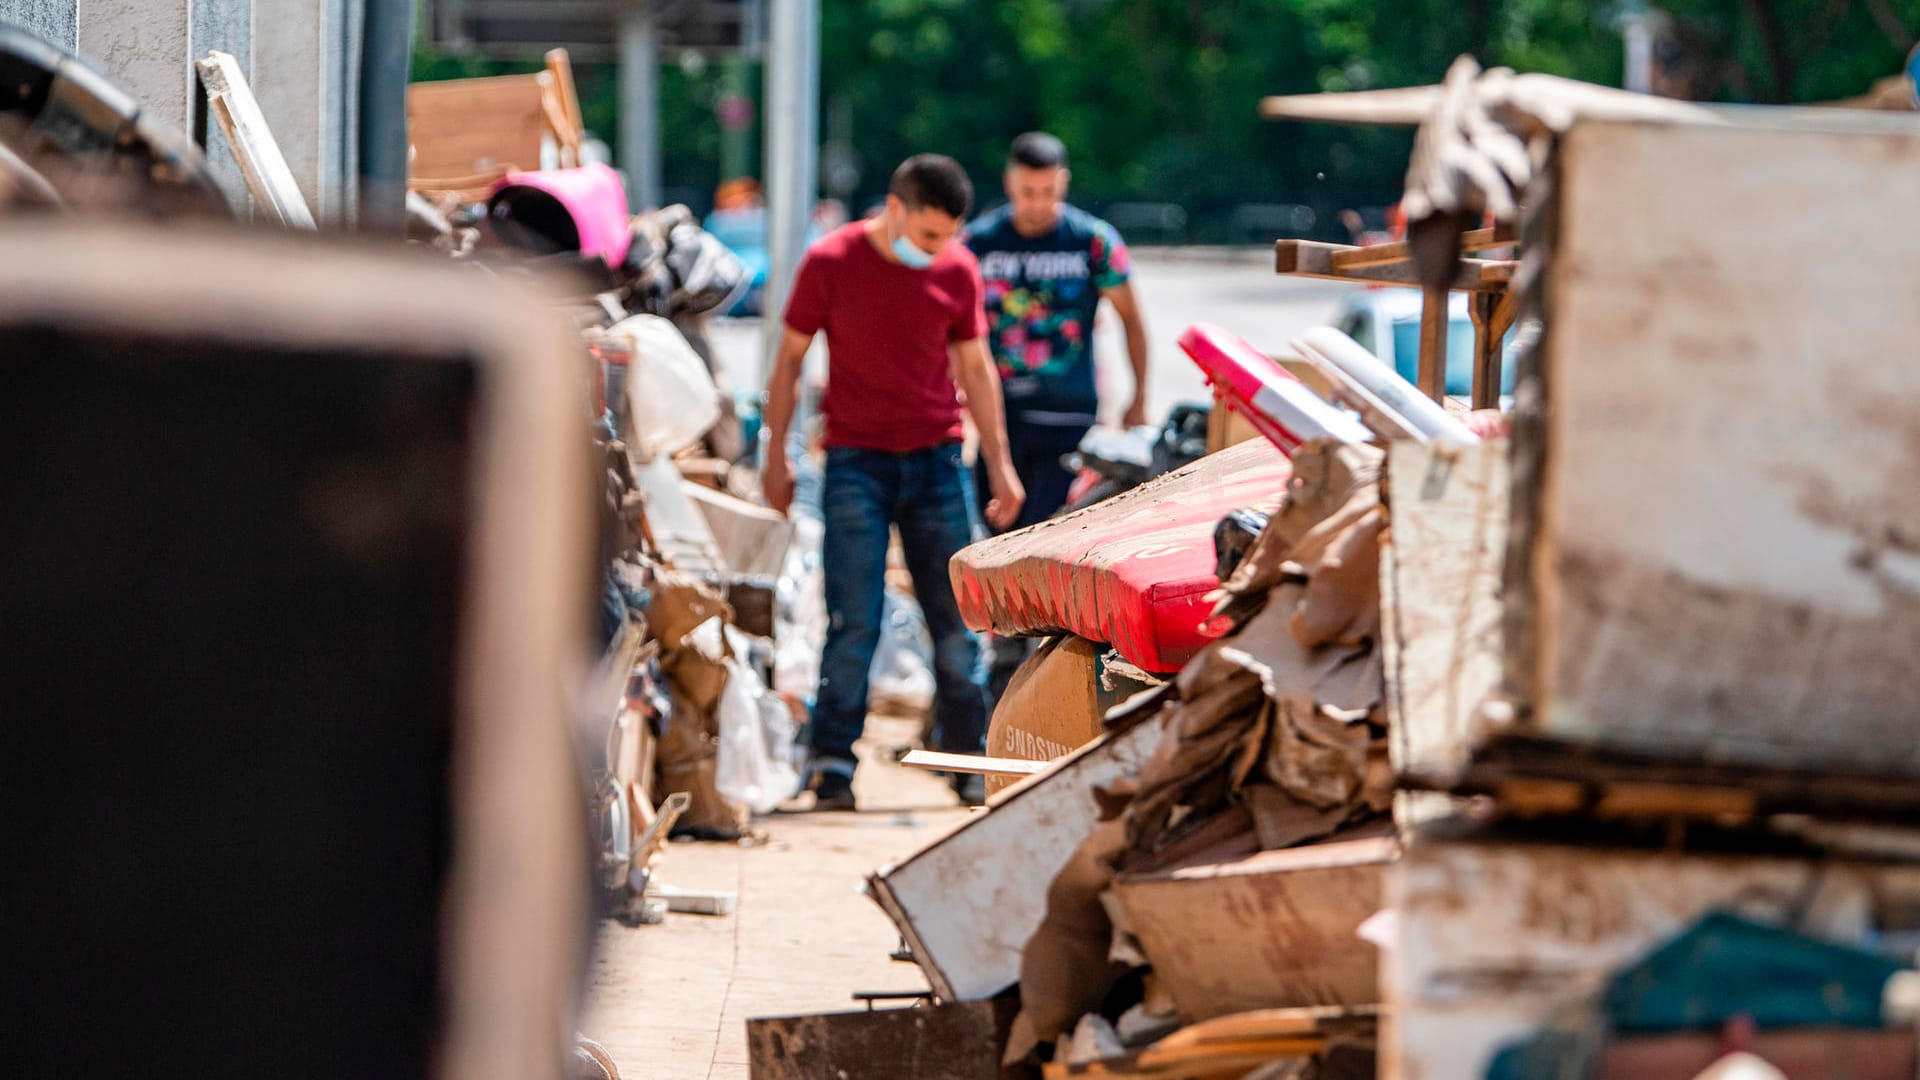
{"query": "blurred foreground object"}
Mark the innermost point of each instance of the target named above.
(300, 541)
(70, 137)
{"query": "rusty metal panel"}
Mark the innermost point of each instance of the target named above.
(959, 1041)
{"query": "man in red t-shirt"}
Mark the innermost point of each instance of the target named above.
(906, 335)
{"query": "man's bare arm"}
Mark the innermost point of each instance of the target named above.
(783, 395)
(1127, 306)
(974, 373)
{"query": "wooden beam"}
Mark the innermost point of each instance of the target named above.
(1473, 240)
(233, 106)
(972, 763)
(1432, 374)
(1310, 258)
(1406, 106)
(1484, 308)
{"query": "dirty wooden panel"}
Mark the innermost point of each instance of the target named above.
(1728, 558)
(1271, 930)
(1440, 600)
(968, 902)
(959, 1041)
(463, 127)
(1497, 936)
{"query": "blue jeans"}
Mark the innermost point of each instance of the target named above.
(929, 495)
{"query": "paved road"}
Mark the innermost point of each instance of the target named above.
(1178, 287)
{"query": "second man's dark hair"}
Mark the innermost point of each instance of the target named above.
(933, 180)
(1038, 150)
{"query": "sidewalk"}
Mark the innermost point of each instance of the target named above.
(671, 1001)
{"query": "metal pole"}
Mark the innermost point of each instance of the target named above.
(385, 65)
(793, 144)
(640, 104)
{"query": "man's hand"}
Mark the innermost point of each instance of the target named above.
(1008, 495)
(776, 480)
(1136, 415)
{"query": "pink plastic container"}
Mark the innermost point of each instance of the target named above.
(592, 196)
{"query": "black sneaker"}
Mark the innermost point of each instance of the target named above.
(831, 791)
(970, 789)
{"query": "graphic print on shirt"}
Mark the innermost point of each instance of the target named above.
(1041, 296)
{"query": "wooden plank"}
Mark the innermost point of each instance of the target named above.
(1483, 309)
(1441, 608)
(1472, 240)
(1311, 258)
(463, 127)
(1498, 938)
(1280, 929)
(1726, 569)
(968, 902)
(1431, 374)
(234, 107)
(972, 763)
(956, 1041)
(1400, 106)
(572, 126)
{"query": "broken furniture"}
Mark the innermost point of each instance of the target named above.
(1133, 571)
(466, 134)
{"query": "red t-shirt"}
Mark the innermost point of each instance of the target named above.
(888, 326)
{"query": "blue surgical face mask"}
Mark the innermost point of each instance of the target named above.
(909, 253)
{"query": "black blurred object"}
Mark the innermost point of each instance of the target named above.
(245, 569)
(89, 140)
(1233, 537)
(678, 269)
(752, 599)
(1126, 459)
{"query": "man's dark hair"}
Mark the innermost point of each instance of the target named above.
(933, 180)
(1038, 150)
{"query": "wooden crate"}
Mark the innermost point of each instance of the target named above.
(1270, 930)
(1495, 936)
(1717, 540)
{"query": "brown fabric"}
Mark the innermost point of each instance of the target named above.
(1064, 972)
(1271, 733)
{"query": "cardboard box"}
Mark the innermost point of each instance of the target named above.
(1496, 935)
(1056, 703)
(968, 902)
(1271, 930)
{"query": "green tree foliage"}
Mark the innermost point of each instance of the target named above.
(1158, 98)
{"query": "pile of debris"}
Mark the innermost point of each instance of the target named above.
(1484, 758)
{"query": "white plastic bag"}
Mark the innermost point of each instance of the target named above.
(670, 393)
(755, 766)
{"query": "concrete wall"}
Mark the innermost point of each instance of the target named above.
(301, 57)
(51, 19)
